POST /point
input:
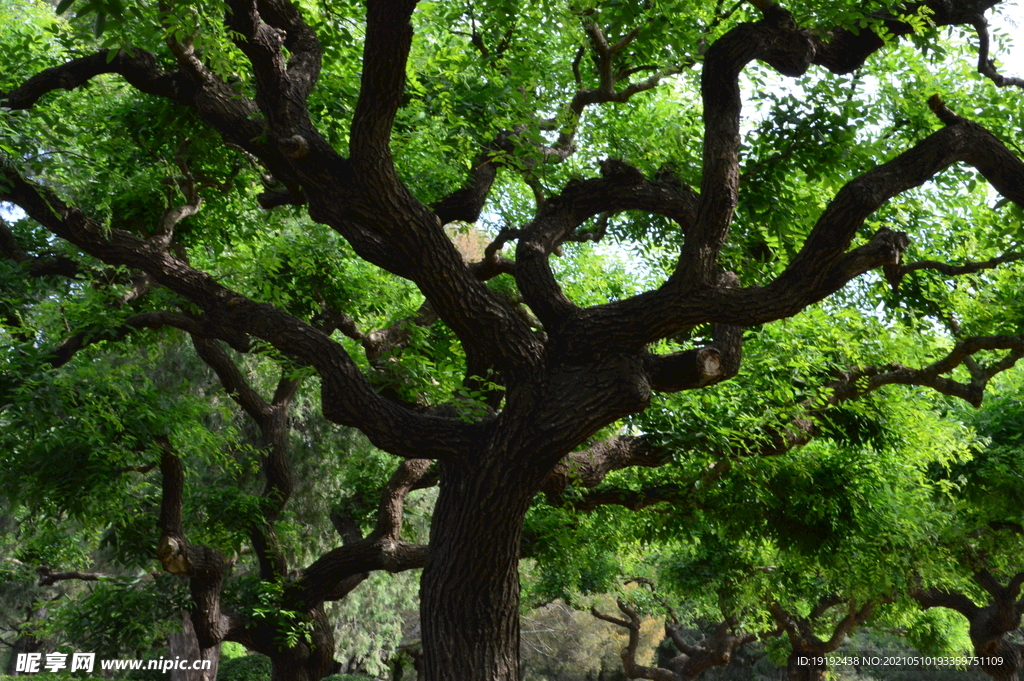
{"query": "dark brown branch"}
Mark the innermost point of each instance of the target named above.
(48, 577)
(621, 187)
(380, 550)
(629, 665)
(264, 30)
(824, 265)
(39, 266)
(205, 567)
(64, 352)
(704, 366)
(800, 629)
(986, 66)
(139, 68)
(385, 51)
(589, 467)
(235, 384)
(861, 381)
(896, 273)
(941, 598)
(347, 396)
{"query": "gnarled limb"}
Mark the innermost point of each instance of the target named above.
(989, 623)
(325, 578)
(620, 188)
(629, 665)
(204, 567)
(806, 644)
(716, 651)
(347, 396)
(823, 265)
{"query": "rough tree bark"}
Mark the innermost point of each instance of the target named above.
(693, 659)
(806, 661)
(989, 624)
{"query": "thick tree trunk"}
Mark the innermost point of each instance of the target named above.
(307, 661)
(23, 644)
(1011, 657)
(469, 594)
(808, 671)
(185, 646)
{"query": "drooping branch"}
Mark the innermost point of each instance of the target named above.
(64, 352)
(137, 67)
(235, 384)
(236, 118)
(986, 66)
(989, 624)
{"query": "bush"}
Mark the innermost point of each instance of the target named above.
(245, 668)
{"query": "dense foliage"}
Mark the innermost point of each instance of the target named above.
(686, 302)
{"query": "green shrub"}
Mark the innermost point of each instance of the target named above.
(245, 668)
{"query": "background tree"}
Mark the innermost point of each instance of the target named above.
(353, 115)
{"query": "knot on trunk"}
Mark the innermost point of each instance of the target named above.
(171, 554)
(295, 146)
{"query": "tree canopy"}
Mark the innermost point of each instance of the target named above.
(571, 263)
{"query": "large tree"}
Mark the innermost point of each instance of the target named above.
(354, 114)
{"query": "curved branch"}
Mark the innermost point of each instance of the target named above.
(986, 66)
(236, 118)
(347, 397)
(589, 467)
(629, 665)
(941, 598)
(620, 188)
(860, 382)
(380, 550)
(205, 567)
(139, 68)
(823, 265)
(895, 273)
(235, 384)
(64, 352)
